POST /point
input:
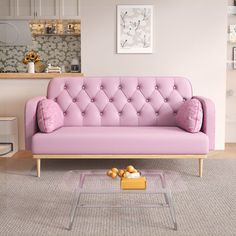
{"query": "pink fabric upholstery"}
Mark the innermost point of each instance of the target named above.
(120, 140)
(120, 101)
(49, 116)
(190, 115)
(31, 124)
(208, 126)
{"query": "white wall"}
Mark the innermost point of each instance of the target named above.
(13, 96)
(189, 40)
(230, 132)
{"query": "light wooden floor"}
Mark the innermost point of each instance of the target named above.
(229, 152)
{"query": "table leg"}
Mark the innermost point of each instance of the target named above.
(166, 199)
(172, 210)
(73, 211)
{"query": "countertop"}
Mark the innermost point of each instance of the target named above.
(37, 75)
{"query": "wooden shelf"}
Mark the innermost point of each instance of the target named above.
(74, 34)
(37, 75)
(231, 10)
(231, 42)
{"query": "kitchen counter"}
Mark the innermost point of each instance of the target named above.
(37, 75)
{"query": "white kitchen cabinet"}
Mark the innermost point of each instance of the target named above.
(7, 10)
(69, 9)
(24, 9)
(39, 9)
(47, 9)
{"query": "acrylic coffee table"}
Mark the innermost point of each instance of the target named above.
(96, 182)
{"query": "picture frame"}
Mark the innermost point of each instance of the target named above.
(234, 58)
(134, 28)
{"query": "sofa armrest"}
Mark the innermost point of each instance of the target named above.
(31, 125)
(208, 126)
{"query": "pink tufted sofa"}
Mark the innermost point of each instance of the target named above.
(119, 117)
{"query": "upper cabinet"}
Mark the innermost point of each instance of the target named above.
(24, 9)
(39, 9)
(47, 9)
(7, 10)
(69, 9)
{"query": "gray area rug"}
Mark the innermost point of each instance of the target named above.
(40, 206)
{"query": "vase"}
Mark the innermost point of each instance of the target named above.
(31, 67)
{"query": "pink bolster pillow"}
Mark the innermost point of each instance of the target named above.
(190, 116)
(49, 116)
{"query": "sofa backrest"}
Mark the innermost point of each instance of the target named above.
(119, 101)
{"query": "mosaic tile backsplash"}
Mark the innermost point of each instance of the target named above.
(55, 50)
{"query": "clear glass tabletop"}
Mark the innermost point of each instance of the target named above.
(97, 182)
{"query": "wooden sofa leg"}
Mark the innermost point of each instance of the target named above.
(200, 167)
(38, 167)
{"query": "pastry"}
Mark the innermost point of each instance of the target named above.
(113, 175)
(114, 170)
(130, 169)
(109, 172)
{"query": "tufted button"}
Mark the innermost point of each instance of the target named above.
(175, 112)
(120, 113)
(101, 87)
(55, 99)
(110, 100)
(65, 87)
(175, 87)
(147, 100)
(156, 87)
(184, 99)
(92, 100)
(138, 113)
(74, 100)
(120, 87)
(101, 113)
(166, 100)
(64, 113)
(157, 113)
(129, 100)
(83, 87)
(138, 87)
(83, 113)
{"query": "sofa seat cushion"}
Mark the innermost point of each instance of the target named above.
(120, 140)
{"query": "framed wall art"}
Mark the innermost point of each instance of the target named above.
(134, 28)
